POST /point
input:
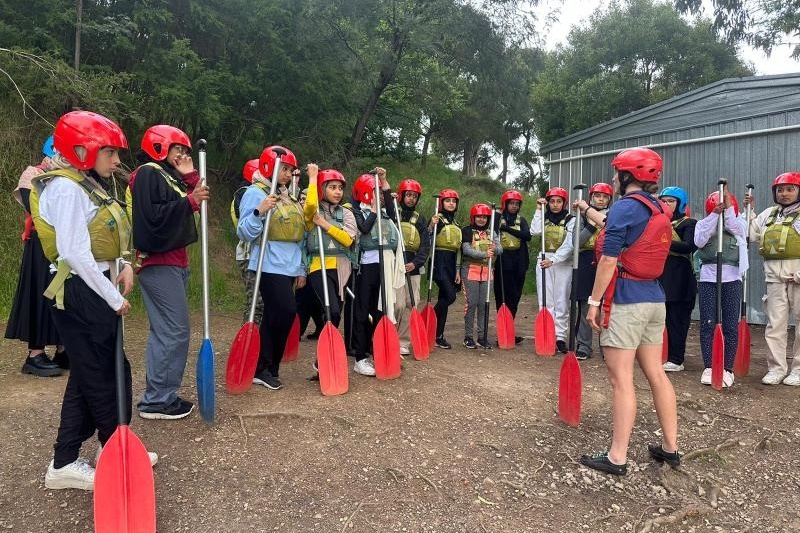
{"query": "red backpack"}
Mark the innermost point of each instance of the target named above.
(644, 259)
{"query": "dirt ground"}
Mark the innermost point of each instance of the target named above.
(467, 441)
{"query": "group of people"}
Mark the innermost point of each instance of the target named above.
(83, 247)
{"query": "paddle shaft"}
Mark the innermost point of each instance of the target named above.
(748, 213)
(573, 300)
(433, 248)
(119, 374)
(544, 275)
(403, 251)
(326, 298)
(201, 154)
(264, 239)
(720, 229)
(484, 339)
(380, 244)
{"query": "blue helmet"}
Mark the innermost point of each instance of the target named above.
(676, 192)
(47, 147)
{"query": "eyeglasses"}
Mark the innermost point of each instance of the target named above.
(182, 150)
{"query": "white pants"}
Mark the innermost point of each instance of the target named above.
(782, 301)
(559, 279)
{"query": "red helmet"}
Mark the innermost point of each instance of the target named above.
(557, 191)
(448, 193)
(364, 188)
(327, 175)
(157, 140)
(787, 178)
(89, 130)
(268, 157)
(249, 169)
(713, 200)
(602, 188)
(645, 164)
(509, 195)
(477, 210)
(409, 185)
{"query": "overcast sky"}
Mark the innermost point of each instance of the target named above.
(578, 11)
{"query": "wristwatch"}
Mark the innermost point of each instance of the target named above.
(256, 213)
(593, 303)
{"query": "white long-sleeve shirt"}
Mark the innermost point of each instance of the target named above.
(563, 254)
(66, 206)
(706, 229)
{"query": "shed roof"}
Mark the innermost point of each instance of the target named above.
(725, 100)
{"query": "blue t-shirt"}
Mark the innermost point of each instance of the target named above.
(626, 222)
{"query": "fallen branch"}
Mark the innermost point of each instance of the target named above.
(711, 450)
(397, 474)
(349, 518)
(244, 429)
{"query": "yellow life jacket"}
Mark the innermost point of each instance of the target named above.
(554, 234)
(780, 240)
(411, 237)
(508, 241)
(287, 223)
(480, 242)
(109, 230)
(676, 238)
(450, 236)
(237, 198)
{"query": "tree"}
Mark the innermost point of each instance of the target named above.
(762, 24)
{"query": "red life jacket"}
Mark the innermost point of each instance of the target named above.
(644, 259)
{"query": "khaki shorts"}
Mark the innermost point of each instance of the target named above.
(634, 324)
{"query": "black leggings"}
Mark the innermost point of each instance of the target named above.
(315, 279)
(276, 289)
(368, 291)
(447, 295)
(512, 282)
(679, 317)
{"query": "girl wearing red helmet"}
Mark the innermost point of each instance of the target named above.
(776, 231)
(631, 251)
(594, 215)
(368, 279)
(557, 225)
(163, 198)
(447, 263)
(734, 265)
(515, 233)
(283, 269)
(30, 319)
(477, 247)
(87, 302)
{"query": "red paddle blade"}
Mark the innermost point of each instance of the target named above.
(206, 393)
(332, 361)
(664, 346)
(429, 316)
(741, 365)
(545, 333)
(386, 346)
(243, 359)
(124, 489)
(419, 336)
(293, 341)
(570, 390)
(505, 328)
(717, 357)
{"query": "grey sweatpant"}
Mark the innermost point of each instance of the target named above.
(475, 297)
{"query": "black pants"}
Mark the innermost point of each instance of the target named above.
(447, 295)
(679, 317)
(279, 310)
(512, 282)
(368, 291)
(88, 328)
(308, 309)
(318, 294)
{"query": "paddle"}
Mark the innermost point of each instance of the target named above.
(741, 366)
(506, 334)
(545, 326)
(243, 356)
(124, 489)
(718, 344)
(416, 326)
(485, 338)
(428, 313)
(385, 340)
(205, 358)
(292, 347)
(573, 301)
(331, 353)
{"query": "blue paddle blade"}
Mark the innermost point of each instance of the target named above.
(205, 381)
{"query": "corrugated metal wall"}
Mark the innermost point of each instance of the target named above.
(697, 166)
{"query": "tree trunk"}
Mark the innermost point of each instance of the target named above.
(426, 142)
(78, 29)
(470, 168)
(504, 173)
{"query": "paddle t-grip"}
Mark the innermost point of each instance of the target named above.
(201, 144)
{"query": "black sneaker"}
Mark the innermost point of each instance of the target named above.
(441, 342)
(600, 461)
(582, 356)
(657, 452)
(40, 365)
(469, 343)
(179, 409)
(518, 340)
(268, 380)
(61, 359)
(561, 346)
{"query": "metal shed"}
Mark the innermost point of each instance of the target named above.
(744, 129)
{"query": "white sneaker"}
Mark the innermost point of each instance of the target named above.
(669, 366)
(727, 378)
(773, 377)
(152, 455)
(705, 377)
(364, 367)
(792, 379)
(77, 475)
(404, 349)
